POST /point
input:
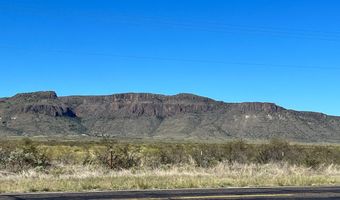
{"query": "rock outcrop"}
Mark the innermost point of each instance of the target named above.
(35, 96)
(140, 115)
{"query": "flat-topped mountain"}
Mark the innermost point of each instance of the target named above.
(143, 115)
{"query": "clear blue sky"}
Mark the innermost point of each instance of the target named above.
(281, 51)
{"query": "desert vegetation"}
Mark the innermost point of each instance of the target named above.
(31, 165)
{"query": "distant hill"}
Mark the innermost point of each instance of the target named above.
(142, 115)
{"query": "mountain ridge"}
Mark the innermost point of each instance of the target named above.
(146, 115)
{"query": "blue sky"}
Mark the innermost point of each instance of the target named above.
(279, 51)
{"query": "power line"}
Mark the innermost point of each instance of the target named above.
(183, 60)
(233, 30)
(208, 26)
(223, 26)
(211, 26)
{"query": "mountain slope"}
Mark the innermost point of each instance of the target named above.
(140, 115)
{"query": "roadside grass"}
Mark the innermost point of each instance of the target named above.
(95, 178)
(40, 166)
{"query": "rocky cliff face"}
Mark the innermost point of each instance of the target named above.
(44, 103)
(182, 116)
(137, 105)
(34, 96)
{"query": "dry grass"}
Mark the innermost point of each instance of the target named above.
(85, 178)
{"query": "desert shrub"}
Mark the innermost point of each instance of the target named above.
(125, 157)
(20, 155)
(24, 157)
(205, 156)
(314, 156)
(203, 159)
(238, 151)
(208, 155)
(3, 157)
(173, 154)
(150, 157)
(88, 158)
(120, 156)
(276, 151)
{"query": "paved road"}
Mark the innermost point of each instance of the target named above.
(232, 193)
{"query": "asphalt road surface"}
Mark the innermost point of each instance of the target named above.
(188, 194)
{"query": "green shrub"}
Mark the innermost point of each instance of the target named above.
(276, 151)
(24, 157)
(119, 156)
(21, 155)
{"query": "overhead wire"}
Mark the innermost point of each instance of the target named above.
(200, 25)
(183, 60)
